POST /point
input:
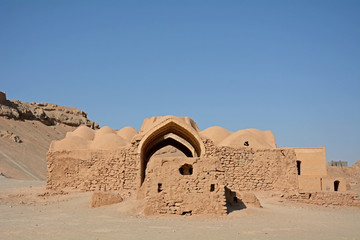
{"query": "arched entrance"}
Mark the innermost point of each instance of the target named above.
(171, 133)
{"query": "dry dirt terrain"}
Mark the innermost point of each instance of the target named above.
(29, 211)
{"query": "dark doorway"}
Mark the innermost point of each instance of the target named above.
(336, 185)
(298, 166)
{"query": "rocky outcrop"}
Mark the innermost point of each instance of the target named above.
(47, 113)
(26, 131)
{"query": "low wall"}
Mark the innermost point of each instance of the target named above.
(327, 198)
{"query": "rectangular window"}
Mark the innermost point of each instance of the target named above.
(160, 187)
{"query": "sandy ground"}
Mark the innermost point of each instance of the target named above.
(27, 211)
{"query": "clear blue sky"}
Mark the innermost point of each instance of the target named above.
(292, 67)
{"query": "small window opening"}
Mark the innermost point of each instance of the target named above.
(159, 187)
(336, 185)
(212, 187)
(321, 184)
(187, 213)
(246, 143)
(186, 169)
(235, 199)
(298, 166)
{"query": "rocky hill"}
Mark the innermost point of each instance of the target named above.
(26, 131)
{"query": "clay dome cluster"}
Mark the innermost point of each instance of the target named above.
(109, 138)
(86, 138)
(253, 138)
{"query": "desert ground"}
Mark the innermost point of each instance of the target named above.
(29, 211)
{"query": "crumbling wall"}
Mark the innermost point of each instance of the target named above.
(244, 169)
(168, 189)
(248, 169)
(327, 198)
(91, 170)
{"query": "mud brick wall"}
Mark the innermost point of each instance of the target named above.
(245, 169)
(327, 198)
(248, 169)
(90, 170)
(169, 192)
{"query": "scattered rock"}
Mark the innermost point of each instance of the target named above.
(16, 139)
(11, 136)
(53, 193)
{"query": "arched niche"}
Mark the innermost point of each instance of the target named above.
(170, 132)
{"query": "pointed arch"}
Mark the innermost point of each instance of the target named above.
(172, 140)
(169, 132)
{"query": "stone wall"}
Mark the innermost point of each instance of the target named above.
(86, 170)
(247, 169)
(171, 190)
(327, 198)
